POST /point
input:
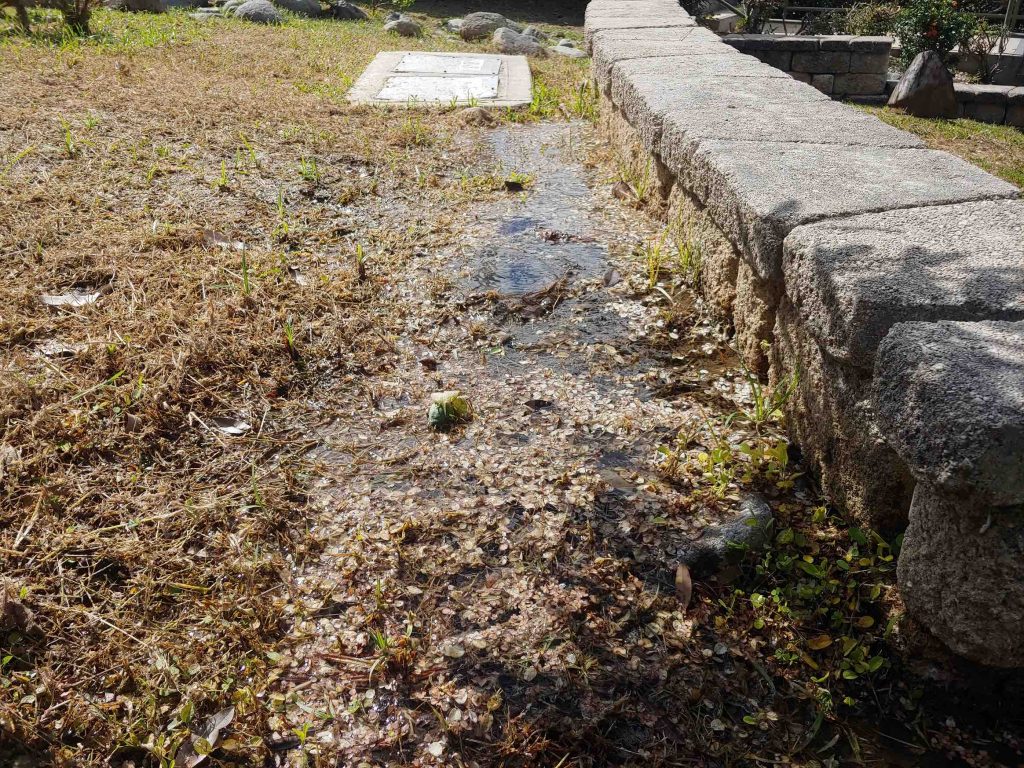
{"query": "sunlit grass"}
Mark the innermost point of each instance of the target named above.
(999, 149)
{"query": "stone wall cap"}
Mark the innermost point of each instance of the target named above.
(981, 94)
(766, 189)
(853, 279)
(949, 398)
(871, 44)
(772, 42)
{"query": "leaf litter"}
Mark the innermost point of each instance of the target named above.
(360, 588)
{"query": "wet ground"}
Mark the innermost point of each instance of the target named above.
(506, 593)
(455, 573)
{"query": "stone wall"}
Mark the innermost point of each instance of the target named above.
(844, 66)
(999, 104)
(848, 255)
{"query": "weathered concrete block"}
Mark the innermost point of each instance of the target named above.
(778, 59)
(830, 416)
(981, 94)
(984, 113)
(717, 81)
(1015, 108)
(801, 77)
(851, 280)
(871, 44)
(950, 401)
(772, 42)
(754, 317)
(875, 63)
(616, 45)
(860, 85)
(677, 19)
(818, 121)
(985, 103)
(835, 42)
(961, 575)
(823, 83)
(822, 62)
(757, 202)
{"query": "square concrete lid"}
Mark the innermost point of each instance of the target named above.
(424, 78)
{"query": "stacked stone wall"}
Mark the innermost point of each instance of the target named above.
(885, 277)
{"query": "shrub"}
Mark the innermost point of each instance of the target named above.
(872, 19)
(933, 25)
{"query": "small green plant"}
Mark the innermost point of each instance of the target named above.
(309, 170)
(653, 252)
(584, 102)
(768, 402)
(690, 249)
(222, 182)
(544, 101)
(246, 282)
(360, 263)
(637, 179)
(70, 147)
(250, 150)
(15, 160)
(282, 228)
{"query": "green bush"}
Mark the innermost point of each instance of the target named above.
(872, 19)
(933, 25)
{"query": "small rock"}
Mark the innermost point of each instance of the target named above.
(535, 34)
(511, 42)
(344, 10)
(477, 26)
(310, 8)
(452, 25)
(748, 530)
(404, 26)
(572, 53)
(926, 88)
(623, 191)
(565, 42)
(476, 116)
(259, 12)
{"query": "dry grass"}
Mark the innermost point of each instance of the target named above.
(999, 149)
(150, 546)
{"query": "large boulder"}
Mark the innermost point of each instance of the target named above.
(926, 88)
(511, 42)
(310, 8)
(259, 12)
(477, 26)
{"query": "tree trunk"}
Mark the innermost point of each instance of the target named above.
(19, 8)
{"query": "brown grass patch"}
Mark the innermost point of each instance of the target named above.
(146, 548)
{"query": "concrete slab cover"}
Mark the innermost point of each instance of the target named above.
(448, 65)
(410, 78)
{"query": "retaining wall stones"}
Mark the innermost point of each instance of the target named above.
(839, 65)
(991, 103)
(870, 268)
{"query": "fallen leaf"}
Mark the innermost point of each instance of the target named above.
(819, 642)
(219, 240)
(229, 426)
(76, 297)
(199, 745)
(684, 585)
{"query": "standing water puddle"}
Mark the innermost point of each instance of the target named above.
(551, 229)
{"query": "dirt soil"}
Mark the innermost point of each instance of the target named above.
(230, 529)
